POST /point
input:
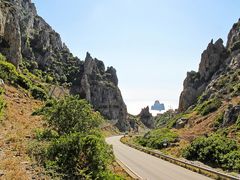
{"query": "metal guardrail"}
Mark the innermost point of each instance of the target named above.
(201, 170)
(129, 171)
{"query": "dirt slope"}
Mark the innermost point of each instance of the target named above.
(16, 131)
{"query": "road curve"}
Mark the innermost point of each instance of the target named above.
(149, 167)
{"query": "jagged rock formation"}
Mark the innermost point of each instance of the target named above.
(26, 38)
(146, 118)
(24, 34)
(158, 106)
(99, 87)
(216, 62)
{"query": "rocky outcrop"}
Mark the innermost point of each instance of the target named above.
(213, 61)
(25, 35)
(231, 115)
(27, 40)
(146, 118)
(233, 42)
(180, 123)
(218, 74)
(99, 87)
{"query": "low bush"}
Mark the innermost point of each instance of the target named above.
(219, 120)
(208, 106)
(216, 150)
(73, 147)
(9, 73)
(158, 138)
(46, 134)
(38, 93)
(162, 119)
(76, 156)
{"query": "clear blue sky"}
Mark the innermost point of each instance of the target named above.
(151, 43)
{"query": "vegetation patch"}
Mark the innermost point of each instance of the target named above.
(208, 106)
(72, 146)
(215, 150)
(219, 120)
(38, 93)
(158, 138)
(162, 119)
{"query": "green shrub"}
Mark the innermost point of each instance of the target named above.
(38, 93)
(73, 115)
(46, 134)
(231, 161)
(158, 138)
(208, 106)
(46, 109)
(162, 119)
(8, 73)
(49, 79)
(219, 120)
(73, 146)
(23, 82)
(76, 156)
(213, 150)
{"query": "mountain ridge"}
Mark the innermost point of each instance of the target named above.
(27, 39)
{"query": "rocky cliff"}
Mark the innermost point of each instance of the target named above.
(146, 118)
(218, 63)
(26, 39)
(100, 87)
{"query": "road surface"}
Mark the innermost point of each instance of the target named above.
(149, 167)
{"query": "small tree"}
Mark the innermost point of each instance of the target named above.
(73, 115)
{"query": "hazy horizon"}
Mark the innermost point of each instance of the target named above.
(152, 44)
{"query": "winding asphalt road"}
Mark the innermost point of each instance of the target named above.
(149, 167)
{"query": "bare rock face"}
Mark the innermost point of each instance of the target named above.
(26, 38)
(218, 72)
(10, 35)
(146, 118)
(99, 87)
(25, 35)
(231, 115)
(234, 37)
(213, 60)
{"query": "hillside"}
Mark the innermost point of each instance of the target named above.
(17, 132)
(55, 109)
(206, 127)
(28, 41)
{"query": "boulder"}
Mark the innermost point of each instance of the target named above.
(180, 123)
(231, 115)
